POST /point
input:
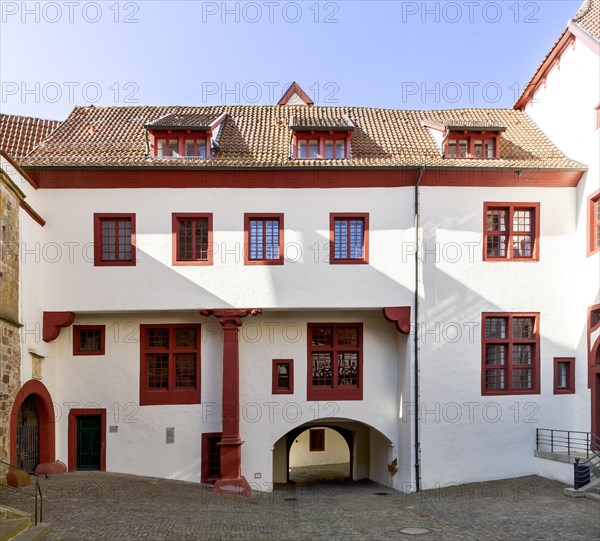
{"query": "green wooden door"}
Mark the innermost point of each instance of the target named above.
(88, 442)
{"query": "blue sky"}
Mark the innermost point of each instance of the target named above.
(393, 54)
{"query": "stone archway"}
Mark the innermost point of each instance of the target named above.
(36, 392)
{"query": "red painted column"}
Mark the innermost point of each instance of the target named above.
(231, 481)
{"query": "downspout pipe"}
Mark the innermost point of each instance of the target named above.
(416, 334)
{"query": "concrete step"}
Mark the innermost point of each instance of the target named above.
(34, 533)
(593, 496)
(11, 527)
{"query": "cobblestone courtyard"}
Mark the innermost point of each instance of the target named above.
(106, 506)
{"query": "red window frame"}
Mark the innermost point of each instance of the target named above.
(335, 391)
(181, 138)
(569, 387)
(176, 219)
(348, 216)
(173, 394)
(265, 216)
(77, 329)
(470, 138)
(593, 223)
(316, 439)
(276, 388)
(597, 117)
(509, 341)
(321, 137)
(98, 240)
(509, 232)
(206, 476)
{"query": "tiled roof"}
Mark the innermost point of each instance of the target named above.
(20, 134)
(197, 121)
(323, 118)
(259, 136)
(588, 17)
(467, 124)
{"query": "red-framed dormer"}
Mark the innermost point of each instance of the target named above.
(316, 138)
(475, 139)
(187, 136)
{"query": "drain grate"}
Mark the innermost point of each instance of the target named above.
(382, 493)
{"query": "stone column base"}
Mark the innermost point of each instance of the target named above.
(236, 487)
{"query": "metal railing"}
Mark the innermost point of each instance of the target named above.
(38, 491)
(571, 441)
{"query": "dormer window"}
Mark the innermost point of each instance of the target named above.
(469, 139)
(471, 147)
(185, 136)
(321, 138)
(321, 146)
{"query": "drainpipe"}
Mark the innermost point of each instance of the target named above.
(416, 335)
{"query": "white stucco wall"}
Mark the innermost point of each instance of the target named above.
(336, 450)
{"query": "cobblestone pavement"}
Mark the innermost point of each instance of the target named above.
(108, 506)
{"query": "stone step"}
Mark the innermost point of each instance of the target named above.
(593, 496)
(11, 527)
(34, 533)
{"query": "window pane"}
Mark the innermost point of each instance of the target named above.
(561, 375)
(283, 378)
(161, 147)
(201, 148)
(158, 338)
(322, 336)
(313, 148)
(489, 149)
(158, 371)
(523, 327)
(185, 370)
(523, 221)
(185, 338)
(495, 354)
(109, 240)
(348, 368)
(255, 250)
(522, 378)
(463, 144)
(321, 369)
(496, 246)
(189, 147)
(173, 147)
(522, 354)
(89, 340)
(347, 336)
(478, 149)
(184, 240)
(356, 239)
(329, 153)
(495, 327)
(452, 153)
(494, 379)
(201, 246)
(523, 246)
(496, 219)
(124, 231)
(302, 153)
(340, 236)
(272, 239)
(340, 149)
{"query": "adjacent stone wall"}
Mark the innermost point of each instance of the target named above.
(10, 343)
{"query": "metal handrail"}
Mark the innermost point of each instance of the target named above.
(38, 490)
(569, 440)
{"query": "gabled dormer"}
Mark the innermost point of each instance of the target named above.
(294, 95)
(466, 139)
(189, 136)
(322, 135)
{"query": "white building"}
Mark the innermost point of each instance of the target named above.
(204, 285)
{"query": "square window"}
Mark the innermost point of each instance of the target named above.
(316, 438)
(263, 239)
(334, 361)
(349, 235)
(283, 376)
(114, 240)
(510, 354)
(511, 231)
(192, 239)
(88, 339)
(564, 375)
(169, 364)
